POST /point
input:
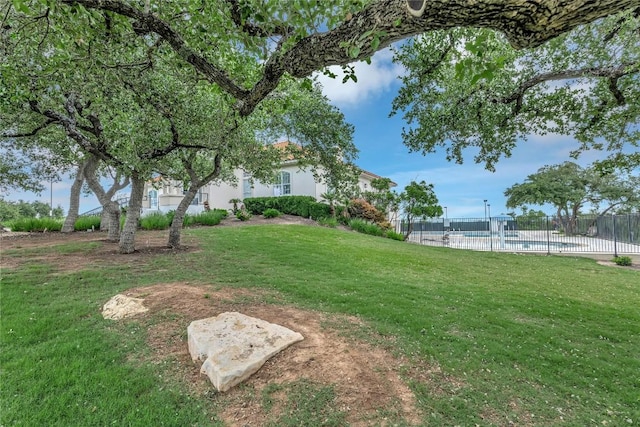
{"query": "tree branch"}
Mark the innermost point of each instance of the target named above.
(68, 123)
(525, 23)
(32, 133)
(145, 23)
(612, 73)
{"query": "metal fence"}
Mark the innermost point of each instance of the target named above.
(610, 234)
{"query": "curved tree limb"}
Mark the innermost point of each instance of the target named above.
(525, 23)
(33, 132)
(612, 73)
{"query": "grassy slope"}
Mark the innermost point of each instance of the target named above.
(528, 339)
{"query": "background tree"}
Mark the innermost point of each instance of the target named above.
(568, 187)
(418, 200)
(10, 210)
(529, 219)
(469, 88)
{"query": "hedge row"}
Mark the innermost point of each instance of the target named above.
(304, 206)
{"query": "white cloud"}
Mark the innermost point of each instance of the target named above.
(373, 79)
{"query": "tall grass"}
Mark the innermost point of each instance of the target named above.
(365, 227)
(91, 222)
(212, 217)
(35, 224)
(155, 221)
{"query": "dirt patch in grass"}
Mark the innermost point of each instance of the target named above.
(367, 379)
(41, 247)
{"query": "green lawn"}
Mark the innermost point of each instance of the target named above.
(532, 340)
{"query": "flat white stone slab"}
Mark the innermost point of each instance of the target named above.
(234, 346)
(122, 306)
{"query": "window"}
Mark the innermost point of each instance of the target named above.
(199, 198)
(153, 199)
(247, 188)
(282, 186)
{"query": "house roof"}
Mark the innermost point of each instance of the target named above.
(287, 146)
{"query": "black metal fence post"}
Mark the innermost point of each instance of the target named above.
(615, 238)
(548, 238)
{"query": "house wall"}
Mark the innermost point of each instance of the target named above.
(218, 195)
(302, 184)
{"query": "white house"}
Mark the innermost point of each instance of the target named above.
(163, 195)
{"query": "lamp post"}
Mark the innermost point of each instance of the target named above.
(485, 213)
(445, 212)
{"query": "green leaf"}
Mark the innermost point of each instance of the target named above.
(306, 84)
(21, 6)
(375, 43)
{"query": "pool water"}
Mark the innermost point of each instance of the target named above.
(527, 243)
(487, 234)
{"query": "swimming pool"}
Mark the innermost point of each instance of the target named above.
(529, 243)
(487, 234)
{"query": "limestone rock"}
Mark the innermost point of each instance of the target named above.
(234, 346)
(122, 306)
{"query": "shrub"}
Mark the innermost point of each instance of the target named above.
(222, 212)
(271, 213)
(35, 224)
(365, 227)
(209, 217)
(328, 222)
(188, 220)
(290, 205)
(243, 215)
(360, 208)
(155, 221)
(390, 234)
(90, 222)
(318, 210)
(622, 260)
(342, 214)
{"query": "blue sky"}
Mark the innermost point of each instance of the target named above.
(366, 105)
(461, 188)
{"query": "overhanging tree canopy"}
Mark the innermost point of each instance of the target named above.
(468, 88)
(300, 37)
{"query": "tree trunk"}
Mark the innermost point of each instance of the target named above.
(128, 235)
(110, 209)
(104, 220)
(111, 214)
(409, 227)
(178, 219)
(74, 200)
